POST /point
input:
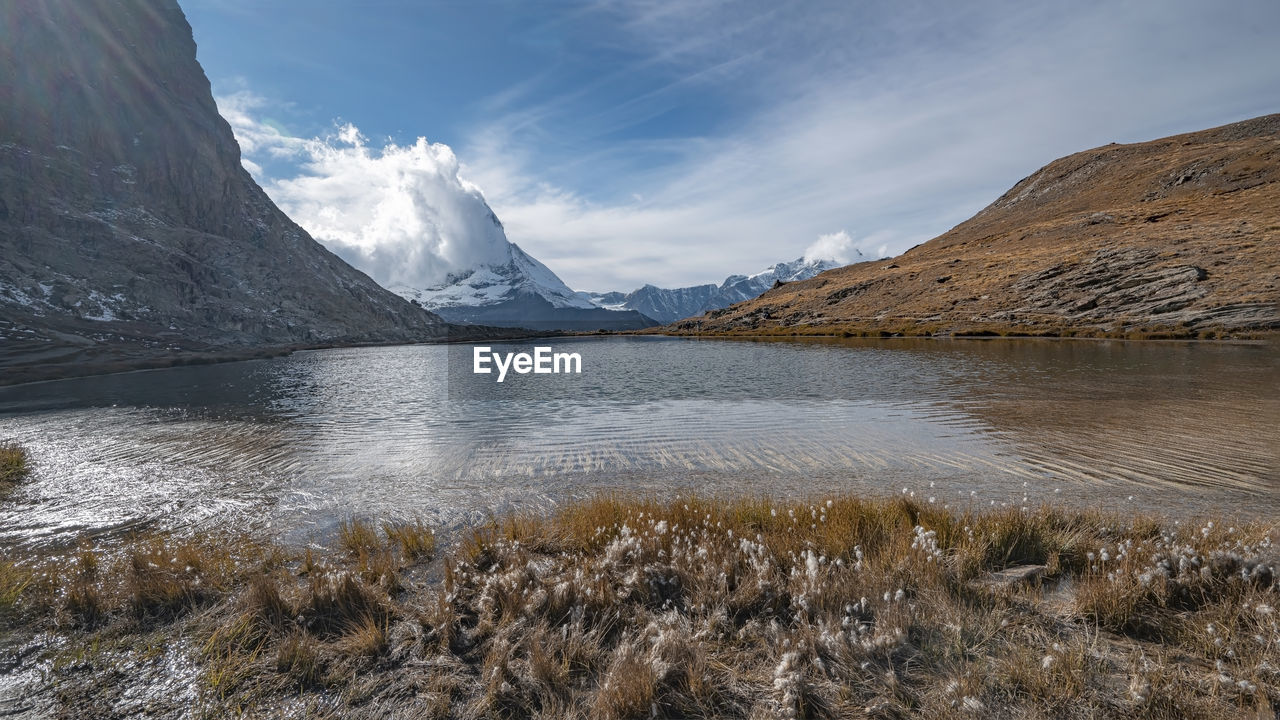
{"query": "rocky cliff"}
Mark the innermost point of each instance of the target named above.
(1178, 237)
(129, 231)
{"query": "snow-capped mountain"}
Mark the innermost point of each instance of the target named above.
(520, 292)
(404, 215)
(490, 284)
(667, 305)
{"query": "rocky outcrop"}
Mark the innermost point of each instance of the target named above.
(1178, 237)
(1114, 283)
(128, 228)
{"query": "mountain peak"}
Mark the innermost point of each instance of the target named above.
(518, 292)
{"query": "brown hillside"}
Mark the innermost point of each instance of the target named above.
(1173, 237)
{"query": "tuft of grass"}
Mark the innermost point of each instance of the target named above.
(266, 605)
(338, 604)
(84, 598)
(358, 536)
(15, 466)
(14, 581)
(367, 636)
(167, 577)
(629, 686)
(299, 659)
(415, 541)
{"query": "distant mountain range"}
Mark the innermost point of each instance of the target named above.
(1177, 237)
(517, 290)
(667, 305)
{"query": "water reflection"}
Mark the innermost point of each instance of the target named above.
(295, 442)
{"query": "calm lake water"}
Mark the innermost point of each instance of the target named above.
(295, 443)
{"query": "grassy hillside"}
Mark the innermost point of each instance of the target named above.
(1178, 237)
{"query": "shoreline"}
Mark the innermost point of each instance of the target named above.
(622, 606)
(15, 373)
(997, 332)
(1265, 341)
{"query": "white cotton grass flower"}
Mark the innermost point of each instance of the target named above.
(1139, 690)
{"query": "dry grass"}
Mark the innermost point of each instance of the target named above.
(14, 581)
(415, 540)
(14, 465)
(358, 537)
(629, 608)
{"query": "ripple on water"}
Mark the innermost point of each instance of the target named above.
(295, 442)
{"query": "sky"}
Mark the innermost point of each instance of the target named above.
(676, 142)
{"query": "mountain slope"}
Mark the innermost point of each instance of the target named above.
(129, 230)
(1173, 237)
(671, 304)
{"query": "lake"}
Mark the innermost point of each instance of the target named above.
(292, 444)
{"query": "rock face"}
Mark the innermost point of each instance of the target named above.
(671, 304)
(1174, 237)
(128, 227)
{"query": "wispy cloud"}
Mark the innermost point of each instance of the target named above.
(892, 121)
(889, 122)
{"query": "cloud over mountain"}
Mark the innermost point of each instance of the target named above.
(840, 248)
(401, 213)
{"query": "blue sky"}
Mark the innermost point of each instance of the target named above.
(679, 141)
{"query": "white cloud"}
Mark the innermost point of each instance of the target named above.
(402, 214)
(243, 110)
(839, 247)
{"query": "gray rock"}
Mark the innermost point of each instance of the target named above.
(1128, 285)
(1014, 576)
(126, 218)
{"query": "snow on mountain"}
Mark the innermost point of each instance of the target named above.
(520, 292)
(609, 300)
(667, 305)
(492, 283)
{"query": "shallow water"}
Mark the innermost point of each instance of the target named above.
(294, 443)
